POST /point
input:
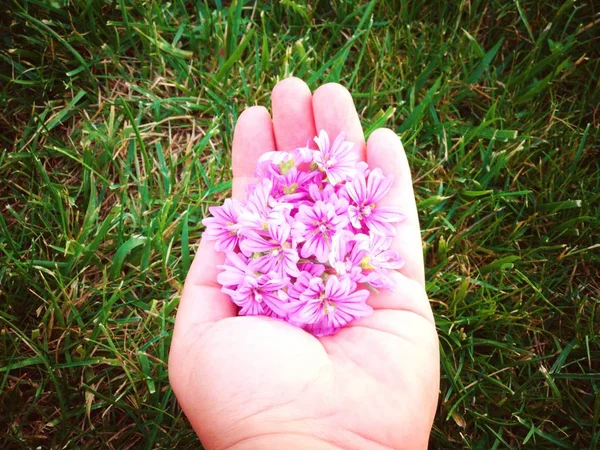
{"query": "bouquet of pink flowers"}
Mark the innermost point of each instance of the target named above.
(309, 242)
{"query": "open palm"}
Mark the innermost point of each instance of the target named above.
(256, 382)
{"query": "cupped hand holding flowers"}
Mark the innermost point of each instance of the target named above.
(304, 252)
(359, 370)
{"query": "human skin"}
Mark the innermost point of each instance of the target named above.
(259, 383)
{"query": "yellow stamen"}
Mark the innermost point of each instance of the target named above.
(290, 189)
(365, 263)
(286, 166)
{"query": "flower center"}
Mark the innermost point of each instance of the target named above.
(258, 297)
(286, 166)
(328, 306)
(365, 263)
(330, 162)
(231, 228)
(291, 189)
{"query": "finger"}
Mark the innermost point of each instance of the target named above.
(202, 301)
(252, 137)
(293, 120)
(385, 150)
(406, 295)
(334, 112)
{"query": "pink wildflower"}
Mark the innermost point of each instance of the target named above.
(364, 195)
(261, 208)
(292, 186)
(337, 160)
(222, 227)
(328, 194)
(325, 307)
(346, 256)
(321, 223)
(278, 252)
(236, 268)
(260, 295)
(307, 235)
(378, 260)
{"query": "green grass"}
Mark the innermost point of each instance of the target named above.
(116, 120)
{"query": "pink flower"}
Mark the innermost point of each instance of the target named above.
(261, 208)
(278, 250)
(293, 185)
(328, 194)
(321, 224)
(235, 270)
(222, 227)
(378, 260)
(307, 235)
(260, 295)
(337, 160)
(346, 255)
(299, 287)
(380, 254)
(316, 270)
(270, 162)
(278, 162)
(364, 194)
(304, 155)
(325, 307)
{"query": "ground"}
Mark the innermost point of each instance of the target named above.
(115, 134)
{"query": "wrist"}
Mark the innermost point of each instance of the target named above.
(301, 441)
(287, 441)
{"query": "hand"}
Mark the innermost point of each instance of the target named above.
(255, 382)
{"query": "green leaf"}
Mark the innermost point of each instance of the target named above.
(484, 64)
(500, 264)
(168, 48)
(468, 193)
(185, 243)
(235, 57)
(417, 114)
(559, 206)
(123, 251)
(62, 115)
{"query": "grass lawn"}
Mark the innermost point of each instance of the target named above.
(116, 122)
